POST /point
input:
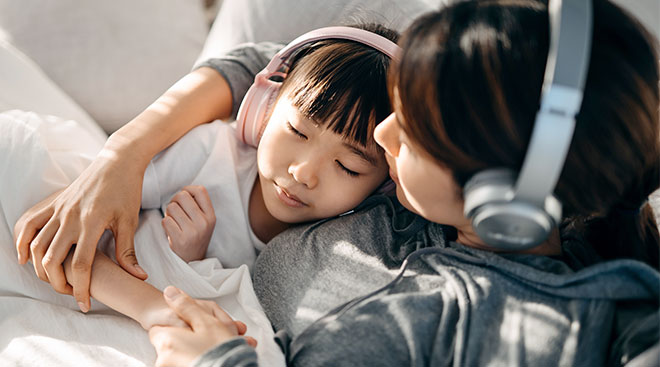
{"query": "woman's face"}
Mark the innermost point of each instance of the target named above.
(422, 185)
(428, 189)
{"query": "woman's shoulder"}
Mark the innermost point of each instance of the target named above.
(453, 305)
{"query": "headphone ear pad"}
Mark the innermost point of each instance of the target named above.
(255, 109)
(501, 220)
(487, 186)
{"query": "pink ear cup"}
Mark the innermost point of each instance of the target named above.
(256, 108)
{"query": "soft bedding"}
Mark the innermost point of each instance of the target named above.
(38, 155)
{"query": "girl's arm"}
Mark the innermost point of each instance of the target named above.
(107, 193)
(124, 293)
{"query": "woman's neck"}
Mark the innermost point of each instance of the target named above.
(263, 224)
(551, 247)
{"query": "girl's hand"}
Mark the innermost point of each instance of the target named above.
(105, 196)
(209, 326)
(189, 222)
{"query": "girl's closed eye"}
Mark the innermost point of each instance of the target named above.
(295, 131)
(346, 170)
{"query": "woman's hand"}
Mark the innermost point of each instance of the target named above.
(209, 326)
(105, 196)
(189, 222)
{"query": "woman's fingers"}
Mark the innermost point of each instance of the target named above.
(29, 224)
(251, 341)
(81, 266)
(240, 327)
(125, 247)
(53, 259)
(221, 315)
(196, 315)
(39, 246)
(186, 308)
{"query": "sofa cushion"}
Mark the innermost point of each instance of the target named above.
(240, 21)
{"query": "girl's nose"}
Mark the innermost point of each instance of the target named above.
(304, 172)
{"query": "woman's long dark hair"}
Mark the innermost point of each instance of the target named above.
(468, 87)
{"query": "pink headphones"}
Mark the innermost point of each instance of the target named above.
(259, 99)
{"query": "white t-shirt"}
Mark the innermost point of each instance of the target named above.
(212, 156)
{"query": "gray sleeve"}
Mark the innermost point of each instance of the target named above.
(235, 352)
(240, 65)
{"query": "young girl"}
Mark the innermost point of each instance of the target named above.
(315, 159)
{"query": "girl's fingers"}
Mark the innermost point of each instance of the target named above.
(175, 211)
(202, 199)
(171, 227)
(189, 206)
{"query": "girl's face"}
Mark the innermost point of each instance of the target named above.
(422, 185)
(308, 172)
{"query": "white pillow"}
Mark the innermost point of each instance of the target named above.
(241, 21)
(25, 87)
(113, 58)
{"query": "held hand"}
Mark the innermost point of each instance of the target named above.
(106, 195)
(209, 326)
(189, 222)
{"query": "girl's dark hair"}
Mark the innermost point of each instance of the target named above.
(343, 84)
(468, 87)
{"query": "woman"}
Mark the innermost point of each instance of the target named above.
(466, 92)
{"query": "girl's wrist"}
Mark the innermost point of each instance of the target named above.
(157, 313)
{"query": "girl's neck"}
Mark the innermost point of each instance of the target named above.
(263, 224)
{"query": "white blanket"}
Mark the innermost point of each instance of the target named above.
(38, 327)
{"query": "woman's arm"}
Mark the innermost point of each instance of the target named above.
(107, 193)
(199, 97)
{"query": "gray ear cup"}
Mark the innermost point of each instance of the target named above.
(518, 211)
(500, 220)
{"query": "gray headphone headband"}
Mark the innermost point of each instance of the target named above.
(563, 85)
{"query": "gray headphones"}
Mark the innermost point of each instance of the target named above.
(516, 213)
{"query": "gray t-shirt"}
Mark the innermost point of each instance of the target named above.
(336, 296)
